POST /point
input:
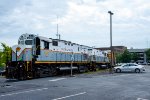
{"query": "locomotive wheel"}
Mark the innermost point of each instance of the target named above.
(50, 72)
(29, 75)
(54, 71)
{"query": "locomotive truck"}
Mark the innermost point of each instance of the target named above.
(37, 56)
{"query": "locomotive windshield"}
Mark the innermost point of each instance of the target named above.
(28, 42)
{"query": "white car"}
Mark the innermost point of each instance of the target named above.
(129, 67)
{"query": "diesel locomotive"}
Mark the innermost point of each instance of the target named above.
(36, 56)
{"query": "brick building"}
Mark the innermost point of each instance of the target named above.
(141, 55)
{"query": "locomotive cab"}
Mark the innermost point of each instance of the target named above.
(23, 51)
(26, 39)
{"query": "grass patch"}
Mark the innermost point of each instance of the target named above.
(2, 76)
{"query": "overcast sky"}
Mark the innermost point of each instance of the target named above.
(84, 22)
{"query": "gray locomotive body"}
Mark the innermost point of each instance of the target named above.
(37, 56)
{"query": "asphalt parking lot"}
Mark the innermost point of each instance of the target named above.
(93, 86)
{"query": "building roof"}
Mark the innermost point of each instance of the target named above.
(137, 50)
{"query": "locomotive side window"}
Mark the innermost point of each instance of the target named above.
(55, 43)
(46, 45)
(28, 42)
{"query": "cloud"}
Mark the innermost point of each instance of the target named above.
(28, 17)
(81, 21)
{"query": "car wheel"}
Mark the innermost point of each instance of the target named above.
(137, 70)
(118, 70)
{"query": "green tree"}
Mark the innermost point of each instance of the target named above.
(148, 54)
(126, 56)
(5, 54)
(134, 57)
(118, 58)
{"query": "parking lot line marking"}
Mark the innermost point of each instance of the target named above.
(23, 92)
(56, 79)
(69, 96)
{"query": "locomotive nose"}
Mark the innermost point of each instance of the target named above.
(18, 49)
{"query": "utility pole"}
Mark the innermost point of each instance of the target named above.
(111, 49)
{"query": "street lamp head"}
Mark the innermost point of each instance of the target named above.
(110, 13)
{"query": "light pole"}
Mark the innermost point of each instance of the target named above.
(111, 51)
